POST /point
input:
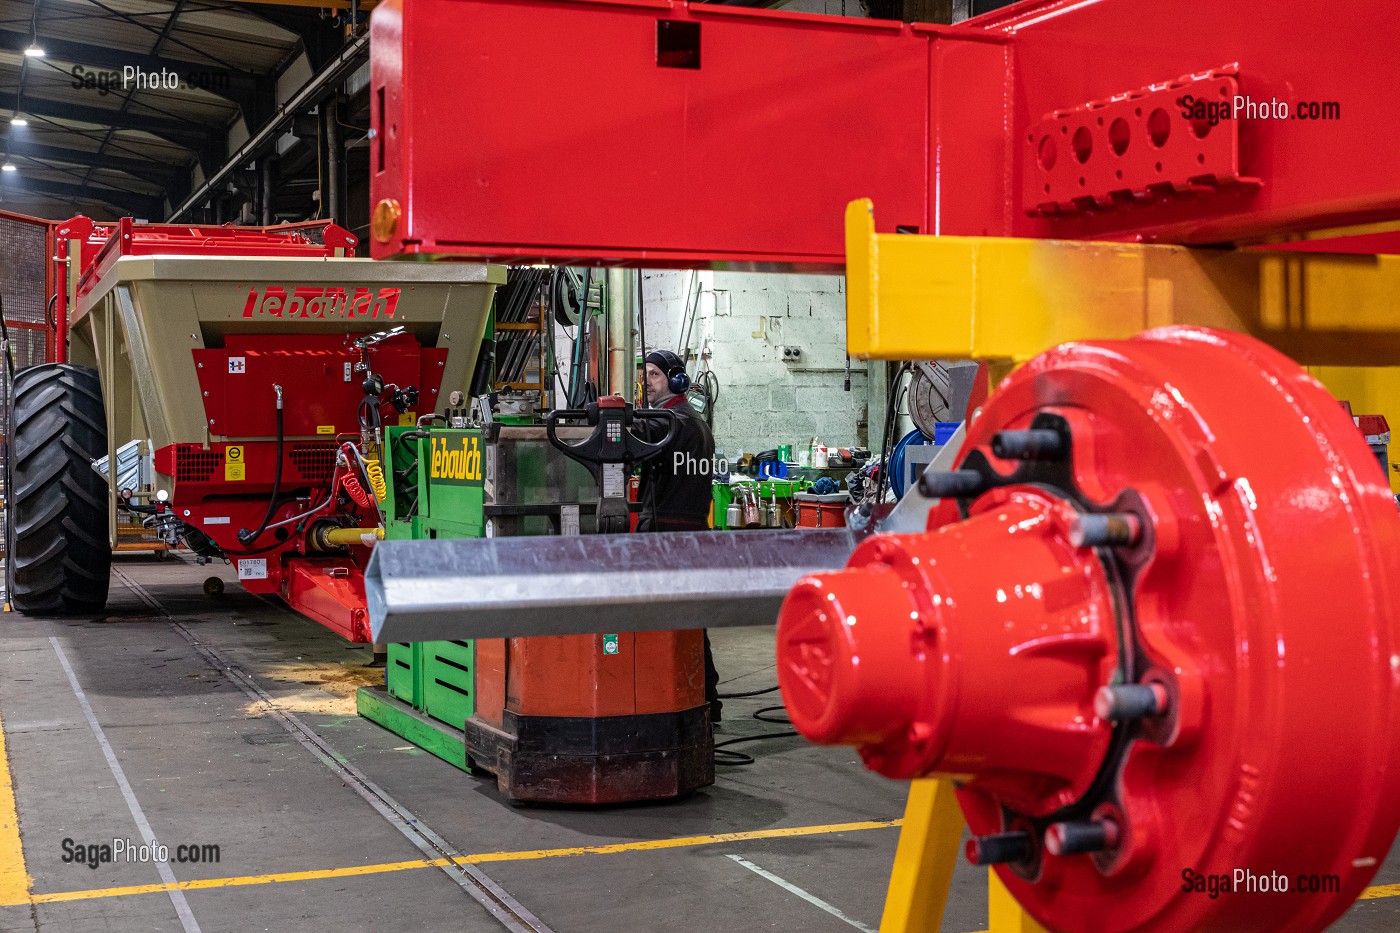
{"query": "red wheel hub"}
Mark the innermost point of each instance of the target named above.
(1157, 641)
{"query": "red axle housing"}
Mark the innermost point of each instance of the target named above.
(1156, 647)
(998, 664)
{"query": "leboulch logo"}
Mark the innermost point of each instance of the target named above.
(320, 303)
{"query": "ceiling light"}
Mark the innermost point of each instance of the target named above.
(7, 167)
(34, 51)
(18, 121)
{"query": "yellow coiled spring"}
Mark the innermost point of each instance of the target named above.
(375, 472)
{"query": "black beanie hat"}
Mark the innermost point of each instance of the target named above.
(665, 360)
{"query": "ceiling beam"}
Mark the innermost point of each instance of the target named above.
(325, 82)
(233, 85)
(320, 37)
(292, 19)
(149, 170)
(126, 202)
(365, 5)
(185, 135)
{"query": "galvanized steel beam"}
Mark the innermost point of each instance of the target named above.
(516, 587)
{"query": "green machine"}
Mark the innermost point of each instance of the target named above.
(449, 482)
(436, 491)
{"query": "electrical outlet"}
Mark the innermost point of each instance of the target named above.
(792, 354)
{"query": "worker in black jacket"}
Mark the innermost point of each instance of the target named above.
(675, 490)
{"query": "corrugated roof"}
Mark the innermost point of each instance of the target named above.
(89, 134)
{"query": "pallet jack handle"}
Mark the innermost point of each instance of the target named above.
(610, 449)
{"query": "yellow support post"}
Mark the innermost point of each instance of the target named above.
(929, 841)
(1004, 915)
(924, 860)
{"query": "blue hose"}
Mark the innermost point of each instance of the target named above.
(897, 459)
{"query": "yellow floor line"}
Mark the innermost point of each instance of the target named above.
(24, 897)
(14, 877)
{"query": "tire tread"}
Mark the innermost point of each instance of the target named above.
(58, 517)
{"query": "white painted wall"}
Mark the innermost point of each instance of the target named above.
(744, 321)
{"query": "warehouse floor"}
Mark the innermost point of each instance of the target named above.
(230, 721)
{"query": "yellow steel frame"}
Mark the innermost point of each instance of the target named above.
(1003, 299)
(1007, 300)
(923, 868)
(921, 297)
(924, 860)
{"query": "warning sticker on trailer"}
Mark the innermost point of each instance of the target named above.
(237, 365)
(235, 470)
(252, 568)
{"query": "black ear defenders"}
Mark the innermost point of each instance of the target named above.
(676, 377)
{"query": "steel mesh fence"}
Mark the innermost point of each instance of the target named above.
(24, 249)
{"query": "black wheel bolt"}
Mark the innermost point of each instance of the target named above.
(1130, 701)
(954, 484)
(1079, 837)
(999, 848)
(1036, 444)
(1105, 529)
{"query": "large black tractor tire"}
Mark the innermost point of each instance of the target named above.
(58, 502)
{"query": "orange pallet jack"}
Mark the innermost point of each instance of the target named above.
(595, 719)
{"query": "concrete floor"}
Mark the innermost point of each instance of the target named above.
(298, 793)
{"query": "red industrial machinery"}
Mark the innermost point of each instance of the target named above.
(1164, 570)
(296, 353)
(1116, 638)
(738, 135)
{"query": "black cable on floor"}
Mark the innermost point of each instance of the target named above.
(782, 720)
(726, 756)
(751, 693)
